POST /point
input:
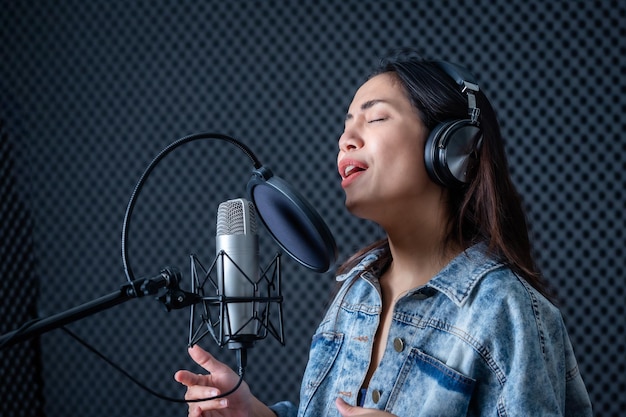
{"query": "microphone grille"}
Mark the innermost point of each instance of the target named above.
(236, 217)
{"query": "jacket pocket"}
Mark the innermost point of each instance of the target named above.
(428, 387)
(322, 355)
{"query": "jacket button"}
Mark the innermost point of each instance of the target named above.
(376, 396)
(398, 344)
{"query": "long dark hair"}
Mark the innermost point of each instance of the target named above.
(488, 208)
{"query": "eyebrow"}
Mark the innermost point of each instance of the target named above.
(367, 105)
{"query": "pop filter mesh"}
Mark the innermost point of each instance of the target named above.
(294, 228)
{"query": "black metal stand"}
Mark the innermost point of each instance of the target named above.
(168, 278)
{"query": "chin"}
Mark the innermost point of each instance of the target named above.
(351, 206)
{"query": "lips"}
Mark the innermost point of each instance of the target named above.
(350, 169)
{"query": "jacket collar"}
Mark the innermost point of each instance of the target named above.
(456, 280)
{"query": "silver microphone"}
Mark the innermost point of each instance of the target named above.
(238, 269)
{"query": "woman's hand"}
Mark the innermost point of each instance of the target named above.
(220, 379)
(347, 410)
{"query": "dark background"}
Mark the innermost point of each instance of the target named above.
(91, 91)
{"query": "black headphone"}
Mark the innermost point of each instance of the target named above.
(452, 147)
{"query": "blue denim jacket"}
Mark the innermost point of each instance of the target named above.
(476, 340)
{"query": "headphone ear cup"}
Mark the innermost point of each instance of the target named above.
(431, 153)
(450, 152)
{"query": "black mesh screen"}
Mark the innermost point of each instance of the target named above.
(99, 88)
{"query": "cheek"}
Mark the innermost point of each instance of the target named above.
(408, 168)
(408, 153)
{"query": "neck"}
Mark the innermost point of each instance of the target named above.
(414, 266)
(419, 252)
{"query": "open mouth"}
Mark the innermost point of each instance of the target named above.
(349, 168)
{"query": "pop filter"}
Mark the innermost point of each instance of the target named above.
(292, 221)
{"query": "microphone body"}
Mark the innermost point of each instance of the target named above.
(237, 246)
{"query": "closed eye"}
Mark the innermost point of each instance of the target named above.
(377, 120)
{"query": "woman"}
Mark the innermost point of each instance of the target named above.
(448, 314)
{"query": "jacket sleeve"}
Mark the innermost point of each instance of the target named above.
(577, 403)
(284, 409)
(542, 376)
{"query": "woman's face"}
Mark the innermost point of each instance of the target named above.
(381, 154)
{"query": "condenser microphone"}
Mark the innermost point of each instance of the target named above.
(237, 249)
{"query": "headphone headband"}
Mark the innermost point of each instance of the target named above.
(466, 81)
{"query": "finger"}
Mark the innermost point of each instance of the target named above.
(197, 410)
(346, 409)
(204, 407)
(189, 378)
(204, 358)
(198, 392)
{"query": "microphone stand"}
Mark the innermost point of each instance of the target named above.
(168, 278)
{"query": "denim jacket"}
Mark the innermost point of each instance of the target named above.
(476, 340)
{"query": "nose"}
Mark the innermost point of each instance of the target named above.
(350, 140)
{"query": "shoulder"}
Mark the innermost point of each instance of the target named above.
(511, 314)
(505, 292)
(475, 277)
(496, 303)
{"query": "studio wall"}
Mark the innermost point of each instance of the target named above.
(92, 91)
